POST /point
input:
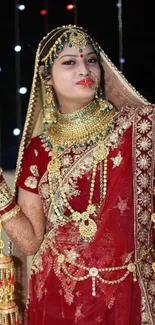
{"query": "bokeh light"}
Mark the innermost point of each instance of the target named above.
(43, 12)
(23, 90)
(70, 7)
(16, 131)
(21, 7)
(17, 48)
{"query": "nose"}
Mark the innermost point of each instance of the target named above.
(83, 70)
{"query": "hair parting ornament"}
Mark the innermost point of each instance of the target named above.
(71, 35)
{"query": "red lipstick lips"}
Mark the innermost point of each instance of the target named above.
(85, 82)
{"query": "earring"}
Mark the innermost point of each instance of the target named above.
(99, 94)
(96, 88)
(49, 108)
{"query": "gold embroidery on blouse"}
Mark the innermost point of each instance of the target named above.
(31, 182)
(36, 153)
(34, 170)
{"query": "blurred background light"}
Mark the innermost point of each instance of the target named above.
(122, 60)
(17, 48)
(43, 12)
(70, 7)
(21, 7)
(16, 131)
(23, 90)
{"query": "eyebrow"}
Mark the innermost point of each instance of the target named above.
(75, 56)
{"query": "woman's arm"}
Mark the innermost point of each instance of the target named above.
(26, 229)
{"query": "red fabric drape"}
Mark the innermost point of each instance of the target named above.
(57, 299)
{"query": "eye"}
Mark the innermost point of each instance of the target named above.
(69, 62)
(92, 60)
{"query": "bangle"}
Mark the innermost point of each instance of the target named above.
(7, 208)
(1, 171)
(11, 214)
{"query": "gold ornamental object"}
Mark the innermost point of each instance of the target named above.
(9, 314)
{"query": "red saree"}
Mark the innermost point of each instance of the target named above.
(61, 294)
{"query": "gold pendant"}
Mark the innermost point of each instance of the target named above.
(54, 166)
(87, 230)
(101, 151)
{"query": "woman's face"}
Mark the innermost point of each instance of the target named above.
(75, 76)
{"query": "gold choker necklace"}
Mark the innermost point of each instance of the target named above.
(97, 117)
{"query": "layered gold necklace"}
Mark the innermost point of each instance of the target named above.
(76, 129)
(83, 125)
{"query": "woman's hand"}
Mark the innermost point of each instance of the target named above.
(26, 230)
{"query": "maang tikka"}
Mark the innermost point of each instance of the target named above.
(49, 108)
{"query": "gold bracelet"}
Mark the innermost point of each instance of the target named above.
(1, 171)
(11, 214)
(5, 195)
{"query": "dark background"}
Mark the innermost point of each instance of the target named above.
(99, 17)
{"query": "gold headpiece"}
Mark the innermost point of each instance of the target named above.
(78, 39)
(74, 37)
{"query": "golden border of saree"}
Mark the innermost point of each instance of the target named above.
(143, 171)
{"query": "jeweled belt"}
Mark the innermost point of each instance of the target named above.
(93, 272)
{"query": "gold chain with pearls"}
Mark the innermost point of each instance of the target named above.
(94, 272)
(87, 226)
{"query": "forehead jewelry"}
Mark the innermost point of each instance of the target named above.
(78, 39)
(73, 38)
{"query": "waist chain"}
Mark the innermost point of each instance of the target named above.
(94, 272)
